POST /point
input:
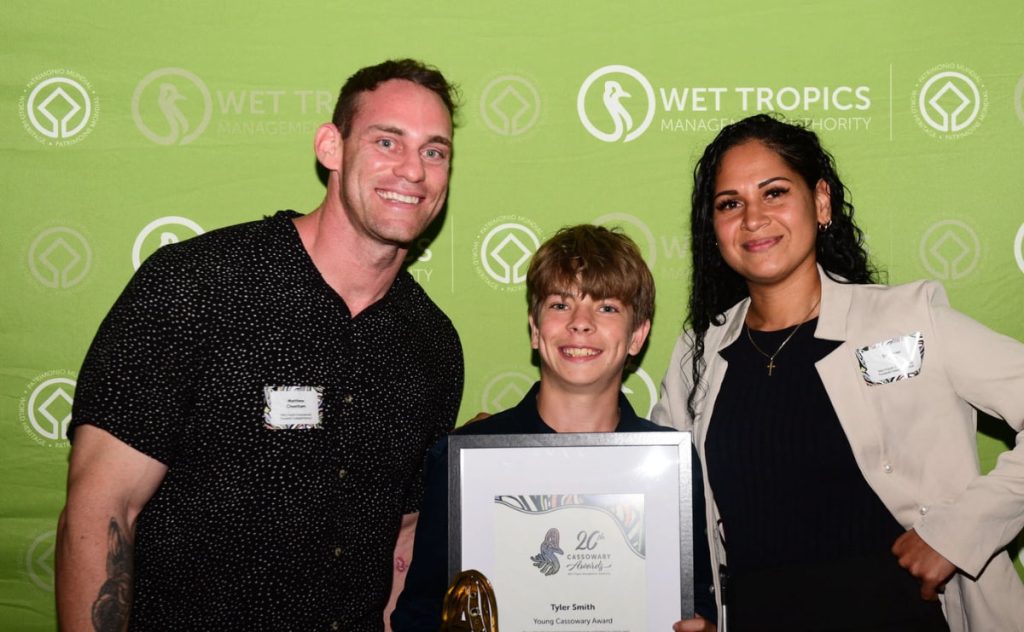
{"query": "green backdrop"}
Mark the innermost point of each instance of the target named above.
(128, 125)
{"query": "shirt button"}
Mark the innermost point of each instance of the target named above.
(337, 551)
(888, 468)
(342, 473)
(334, 625)
(923, 510)
(347, 398)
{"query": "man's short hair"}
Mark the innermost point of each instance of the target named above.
(367, 79)
(593, 261)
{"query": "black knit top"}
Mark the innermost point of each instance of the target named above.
(783, 475)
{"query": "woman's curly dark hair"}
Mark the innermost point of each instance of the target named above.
(716, 287)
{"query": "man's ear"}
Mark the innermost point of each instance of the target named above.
(534, 334)
(327, 145)
(639, 337)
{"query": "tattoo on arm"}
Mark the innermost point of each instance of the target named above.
(113, 604)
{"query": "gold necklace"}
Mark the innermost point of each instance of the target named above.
(771, 358)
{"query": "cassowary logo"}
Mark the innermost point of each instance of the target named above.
(546, 561)
(176, 121)
(620, 104)
(613, 95)
(171, 106)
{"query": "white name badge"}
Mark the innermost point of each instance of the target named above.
(891, 360)
(290, 407)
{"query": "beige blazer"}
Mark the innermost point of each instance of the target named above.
(914, 439)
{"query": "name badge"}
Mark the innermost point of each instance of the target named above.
(892, 360)
(291, 407)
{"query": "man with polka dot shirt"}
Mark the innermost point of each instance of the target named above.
(251, 419)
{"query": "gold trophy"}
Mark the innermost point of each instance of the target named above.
(469, 605)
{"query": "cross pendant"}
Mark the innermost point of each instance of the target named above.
(771, 365)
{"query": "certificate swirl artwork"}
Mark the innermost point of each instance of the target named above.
(626, 509)
(578, 552)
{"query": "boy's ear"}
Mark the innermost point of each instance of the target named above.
(639, 337)
(534, 334)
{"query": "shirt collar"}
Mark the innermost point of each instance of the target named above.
(628, 419)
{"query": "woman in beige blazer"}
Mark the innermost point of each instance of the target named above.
(836, 417)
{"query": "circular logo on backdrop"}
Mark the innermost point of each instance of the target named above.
(505, 390)
(510, 105)
(59, 257)
(616, 103)
(1018, 99)
(950, 101)
(1018, 247)
(638, 231)
(39, 560)
(172, 229)
(171, 106)
(59, 107)
(641, 392)
(45, 408)
(950, 250)
(502, 251)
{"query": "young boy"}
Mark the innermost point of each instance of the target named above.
(591, 299)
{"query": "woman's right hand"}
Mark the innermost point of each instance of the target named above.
(696, 624)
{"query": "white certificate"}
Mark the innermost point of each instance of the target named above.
(576, 532)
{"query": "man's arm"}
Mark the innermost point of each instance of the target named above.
(402, 560)
(108, 484)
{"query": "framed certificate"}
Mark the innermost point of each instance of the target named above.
(576, 531)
